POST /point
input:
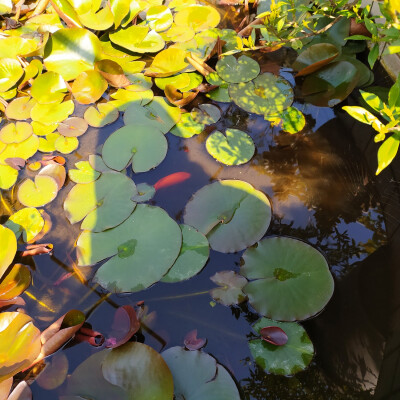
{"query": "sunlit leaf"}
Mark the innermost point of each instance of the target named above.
(387, 152)
(168, 62)
(8, 176)
(139, 82)
(84, 173)
(20, 108)
(10, 73)
(56, 171)
(98, 20)
(15, 282)
(120, 8)
(105, 114)
(178, 33)
(112, 72)
(15, 133)
(187, 127)
(73, 127)
(27, 222)
(49, 88)
(88, 87)
(66, 145)
(159, 18)
(39, 192)
(8, 248)
(48, 143)
(43, 129)
(234, 70)
(24, 149)
(198, 17)
(206, 114)
(52, 113)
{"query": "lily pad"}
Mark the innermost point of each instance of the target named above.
(84, 173)
(98, 20)
(145, 192)
(39, 192)
(20, 108)
(139, 82)
(112, 72)
(198, 17)
(56, 171)
(233, 148)
(178, 81)
(24, 149)
(71, 51)
(168, 62)
(231, 213)
(42, 129)
(15, 133)
(159, 18)
(47, 144)
(292, 357)
(8, 248)
(73, 127)
(233, 70)
(66, 145)
(230, 288)
(15, 282)
(48, 88)
(105, 114)
(192, 257)
(137, 144)
(187, 127)
(101, 204)
(139, 370)
(266, 94)
(143, 249)
(10, 73)
(52, 113)
(289, 279)
(220, 94)
(293, 120)
(27, 222)
(88, 87)
(8, 176)
(197, 375)
(206, 114)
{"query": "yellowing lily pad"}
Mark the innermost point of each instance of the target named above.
(52, 113)
(20, 108)
(48, 144)
(168, 62)
(8, 176)
(84, 173)
(88, 87)
(8, 248)
(66, 145)
(206, 114)
(42, 129)
(198, 17)
(48, 88)
(139, 82)
(16, 133)
(25, 149)
(105, 114)
(27, 222)
(10, 73)
(159, 18)
(187, 127)
(15, 282)
(98, 20)
(56, 171)
(39, 192)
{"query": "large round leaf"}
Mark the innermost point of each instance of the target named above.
(20, 108)
(198, 376)
(168, 62)
(187, 127)
(52, 113)
(8, 176)
(192, 257)
(143, 145)
(88, 87)
(144, 248)
(292, 357)
(234, 70)
(105, 114)
(159, 18)
(49, 87)
(38, 193)
(232, 214)
(15, 133)
(71, 51)
(10, 73)
(28, 222)
(140, 370)
(102, 204)
(198, 17)
(290, 280)
(24, 149)
(267, 94)
(233, 148)
(8, 248)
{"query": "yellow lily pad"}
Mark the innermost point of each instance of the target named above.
(8, 176)
(24, 149)
(48, 143)
(43, 129)
(49, 88)
(198, 17)
(16, 133)
(98, 20)
(168, 62)
(52, 113)
(39, 192)
(15, 282)
(88, 87)
(159, 18)
(20, 108)
(10, 73)
(105, 114)
(8, 248)
(66, 145)
(27, 222)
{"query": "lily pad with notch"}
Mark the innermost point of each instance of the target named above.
(230, 288)
(145, 192)
(27, 222)
(206, 114)
(187, 127)
(105, 114)
(84, 173)
(39, 192)
(233, 70)
(289, 279)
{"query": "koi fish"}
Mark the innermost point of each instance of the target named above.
(172, 179)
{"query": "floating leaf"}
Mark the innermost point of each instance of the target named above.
(14, 282)
(187, 127)
(43, 129)
(73, 127)
(10, 73)
(20, 108)
(206, 114)
(234, 70)
(19, 343)
(289, 279)
(139, 83)
(97, 163)
(191, 341)
(71, 51)
(235, 148)
(102, 204)
(315, 57)
(8, 248)
(56, 171)
(198, 17)
(15, 133)
(21, 392)
(66, 145)
(287, 359)
(178, 33)
(39, 193)
(168, 62)
(137, 144)
(8, 176)
(274, 335)
(293, 120)
(178, 98)
(159, 18)
(120, 8)
(145, 375)
(197, 375)
(88, 87)
(27, 222)
(125, 98)
(266, 94)
(112, 72)
(49, 88)
(16, 163)
(51, 113)
(192, 257)
(144, 248)
(55, 373)
(145, 193)
(230, 291)
(231, 213)
(104, 115)
(47, 144)
(99, 20)
(84, 173)
(24, 149)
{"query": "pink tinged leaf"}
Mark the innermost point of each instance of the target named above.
(172, 179)
(90, 336)
(37, 249)
(16, 163)
(21, 392)
(19, 301)
(125, 325)
(274, 335)
(192, 342)
(47, 160)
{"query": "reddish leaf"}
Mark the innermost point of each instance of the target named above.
(37, 249)
(274, 335)
(192, 342)
(179, 98)
(16, 163)
(125, 325)
(19, 301)
(358, 29)
(172, 179)
(46, 160)
(94, 338)
(112, 72)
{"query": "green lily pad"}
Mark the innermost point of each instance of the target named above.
(84, 173)
(366, 76)
(292, 357)
(138, 39)
(137, 144)
(98, 20)
(157, 114)
(27, 222)
(230, 290)
(52, 113)
(139, 370)
(20, 108)
(266, 94)
(143, 249)
(198, 17)
(8, 176)
(330, 85)
(39, 192)
(8, 248)
(168, 62)
(231, 213)
(71, 51)
(192, 257)
(105, 114)
(97, 163)
(10, 73)
(159, 18)
(24, 149)
(88, 87)
(187, 127)
(101, 204)
(139, 82)
(233, 70)
(145, 193)
(16, 133)
(290, 280)
(233, 148)
(315, 57)
(220, 94)
(48, 88)
(292, 119)
(206, 114)
(197, 376)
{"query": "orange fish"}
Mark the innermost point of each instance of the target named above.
(172, 179)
